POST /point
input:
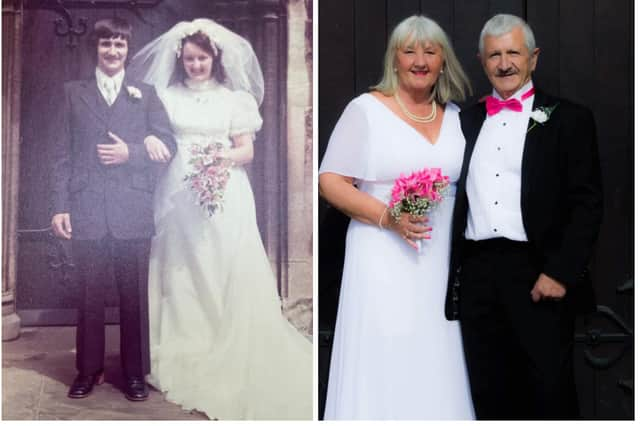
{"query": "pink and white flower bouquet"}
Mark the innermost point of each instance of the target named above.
(211, 172)
(417, 193)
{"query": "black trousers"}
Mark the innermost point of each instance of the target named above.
(519, 353)
(129, 260)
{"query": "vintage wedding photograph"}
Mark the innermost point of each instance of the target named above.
(475, 242)
(157, 188)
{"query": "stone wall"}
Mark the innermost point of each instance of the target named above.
(300, 152)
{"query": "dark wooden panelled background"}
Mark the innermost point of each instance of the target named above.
(46, 292)
(587, 57)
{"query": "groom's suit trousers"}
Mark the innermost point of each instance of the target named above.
(519, 353)
(97, 261)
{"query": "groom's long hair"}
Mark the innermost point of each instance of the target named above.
(111, 28)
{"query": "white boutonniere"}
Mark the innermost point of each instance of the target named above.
(541, 115)
(134, 92)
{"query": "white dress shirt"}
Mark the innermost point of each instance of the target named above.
(103, 81)
(494, 178)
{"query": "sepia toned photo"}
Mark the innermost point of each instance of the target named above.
(157, 210)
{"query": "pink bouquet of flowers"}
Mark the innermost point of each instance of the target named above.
(417, 193)
(211, 172)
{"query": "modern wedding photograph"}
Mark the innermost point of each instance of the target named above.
(157, 194)
(475, 219)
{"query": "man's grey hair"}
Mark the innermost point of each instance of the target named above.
(504, 23)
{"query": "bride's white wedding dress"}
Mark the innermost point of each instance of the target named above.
(394, 355)
(219, 342)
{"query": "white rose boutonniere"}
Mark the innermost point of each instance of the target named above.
(541, 115)
(134, 92)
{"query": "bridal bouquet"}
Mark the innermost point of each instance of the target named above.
(211, 171)
(417, 193)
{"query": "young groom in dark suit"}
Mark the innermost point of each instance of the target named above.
(527, 214)
(115, 135)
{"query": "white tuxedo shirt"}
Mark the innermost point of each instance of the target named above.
(494, 179)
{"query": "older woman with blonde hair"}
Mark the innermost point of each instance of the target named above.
(395, 356)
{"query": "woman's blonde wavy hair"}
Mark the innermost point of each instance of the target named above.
(452, 85)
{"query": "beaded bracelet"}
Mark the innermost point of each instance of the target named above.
(384, 212)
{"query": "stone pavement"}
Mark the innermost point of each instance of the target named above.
(38, 367)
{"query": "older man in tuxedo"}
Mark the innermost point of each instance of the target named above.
(115, 135)
(527, 214)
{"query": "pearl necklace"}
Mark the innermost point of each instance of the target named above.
(424, 119)
(200, 85)
(201, 89)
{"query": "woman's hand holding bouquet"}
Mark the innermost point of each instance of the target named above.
(412, 197)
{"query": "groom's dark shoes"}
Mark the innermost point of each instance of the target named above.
(83, 384)
(135, 389)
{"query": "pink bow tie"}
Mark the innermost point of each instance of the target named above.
(495, 105)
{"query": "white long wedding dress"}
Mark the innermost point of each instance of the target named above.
(219, 342)
(394, 355)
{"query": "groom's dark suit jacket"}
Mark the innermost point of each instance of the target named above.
(561, 197)
(107, 199)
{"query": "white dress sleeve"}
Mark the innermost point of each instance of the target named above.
(349, 150)
(245, 117)
(165, 98)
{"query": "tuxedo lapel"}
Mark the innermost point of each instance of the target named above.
(471, 121)
(92, 97)
(121, 97)
(471, 129)
(532, 143)
(122, 104)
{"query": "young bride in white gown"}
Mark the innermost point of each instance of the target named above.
(395, 356)
(219, 342)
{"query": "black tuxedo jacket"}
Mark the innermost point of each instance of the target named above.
(101, 199)
(561, 197)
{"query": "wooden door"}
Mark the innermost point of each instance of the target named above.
(587, 57)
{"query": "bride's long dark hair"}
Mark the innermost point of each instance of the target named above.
(201, 40)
